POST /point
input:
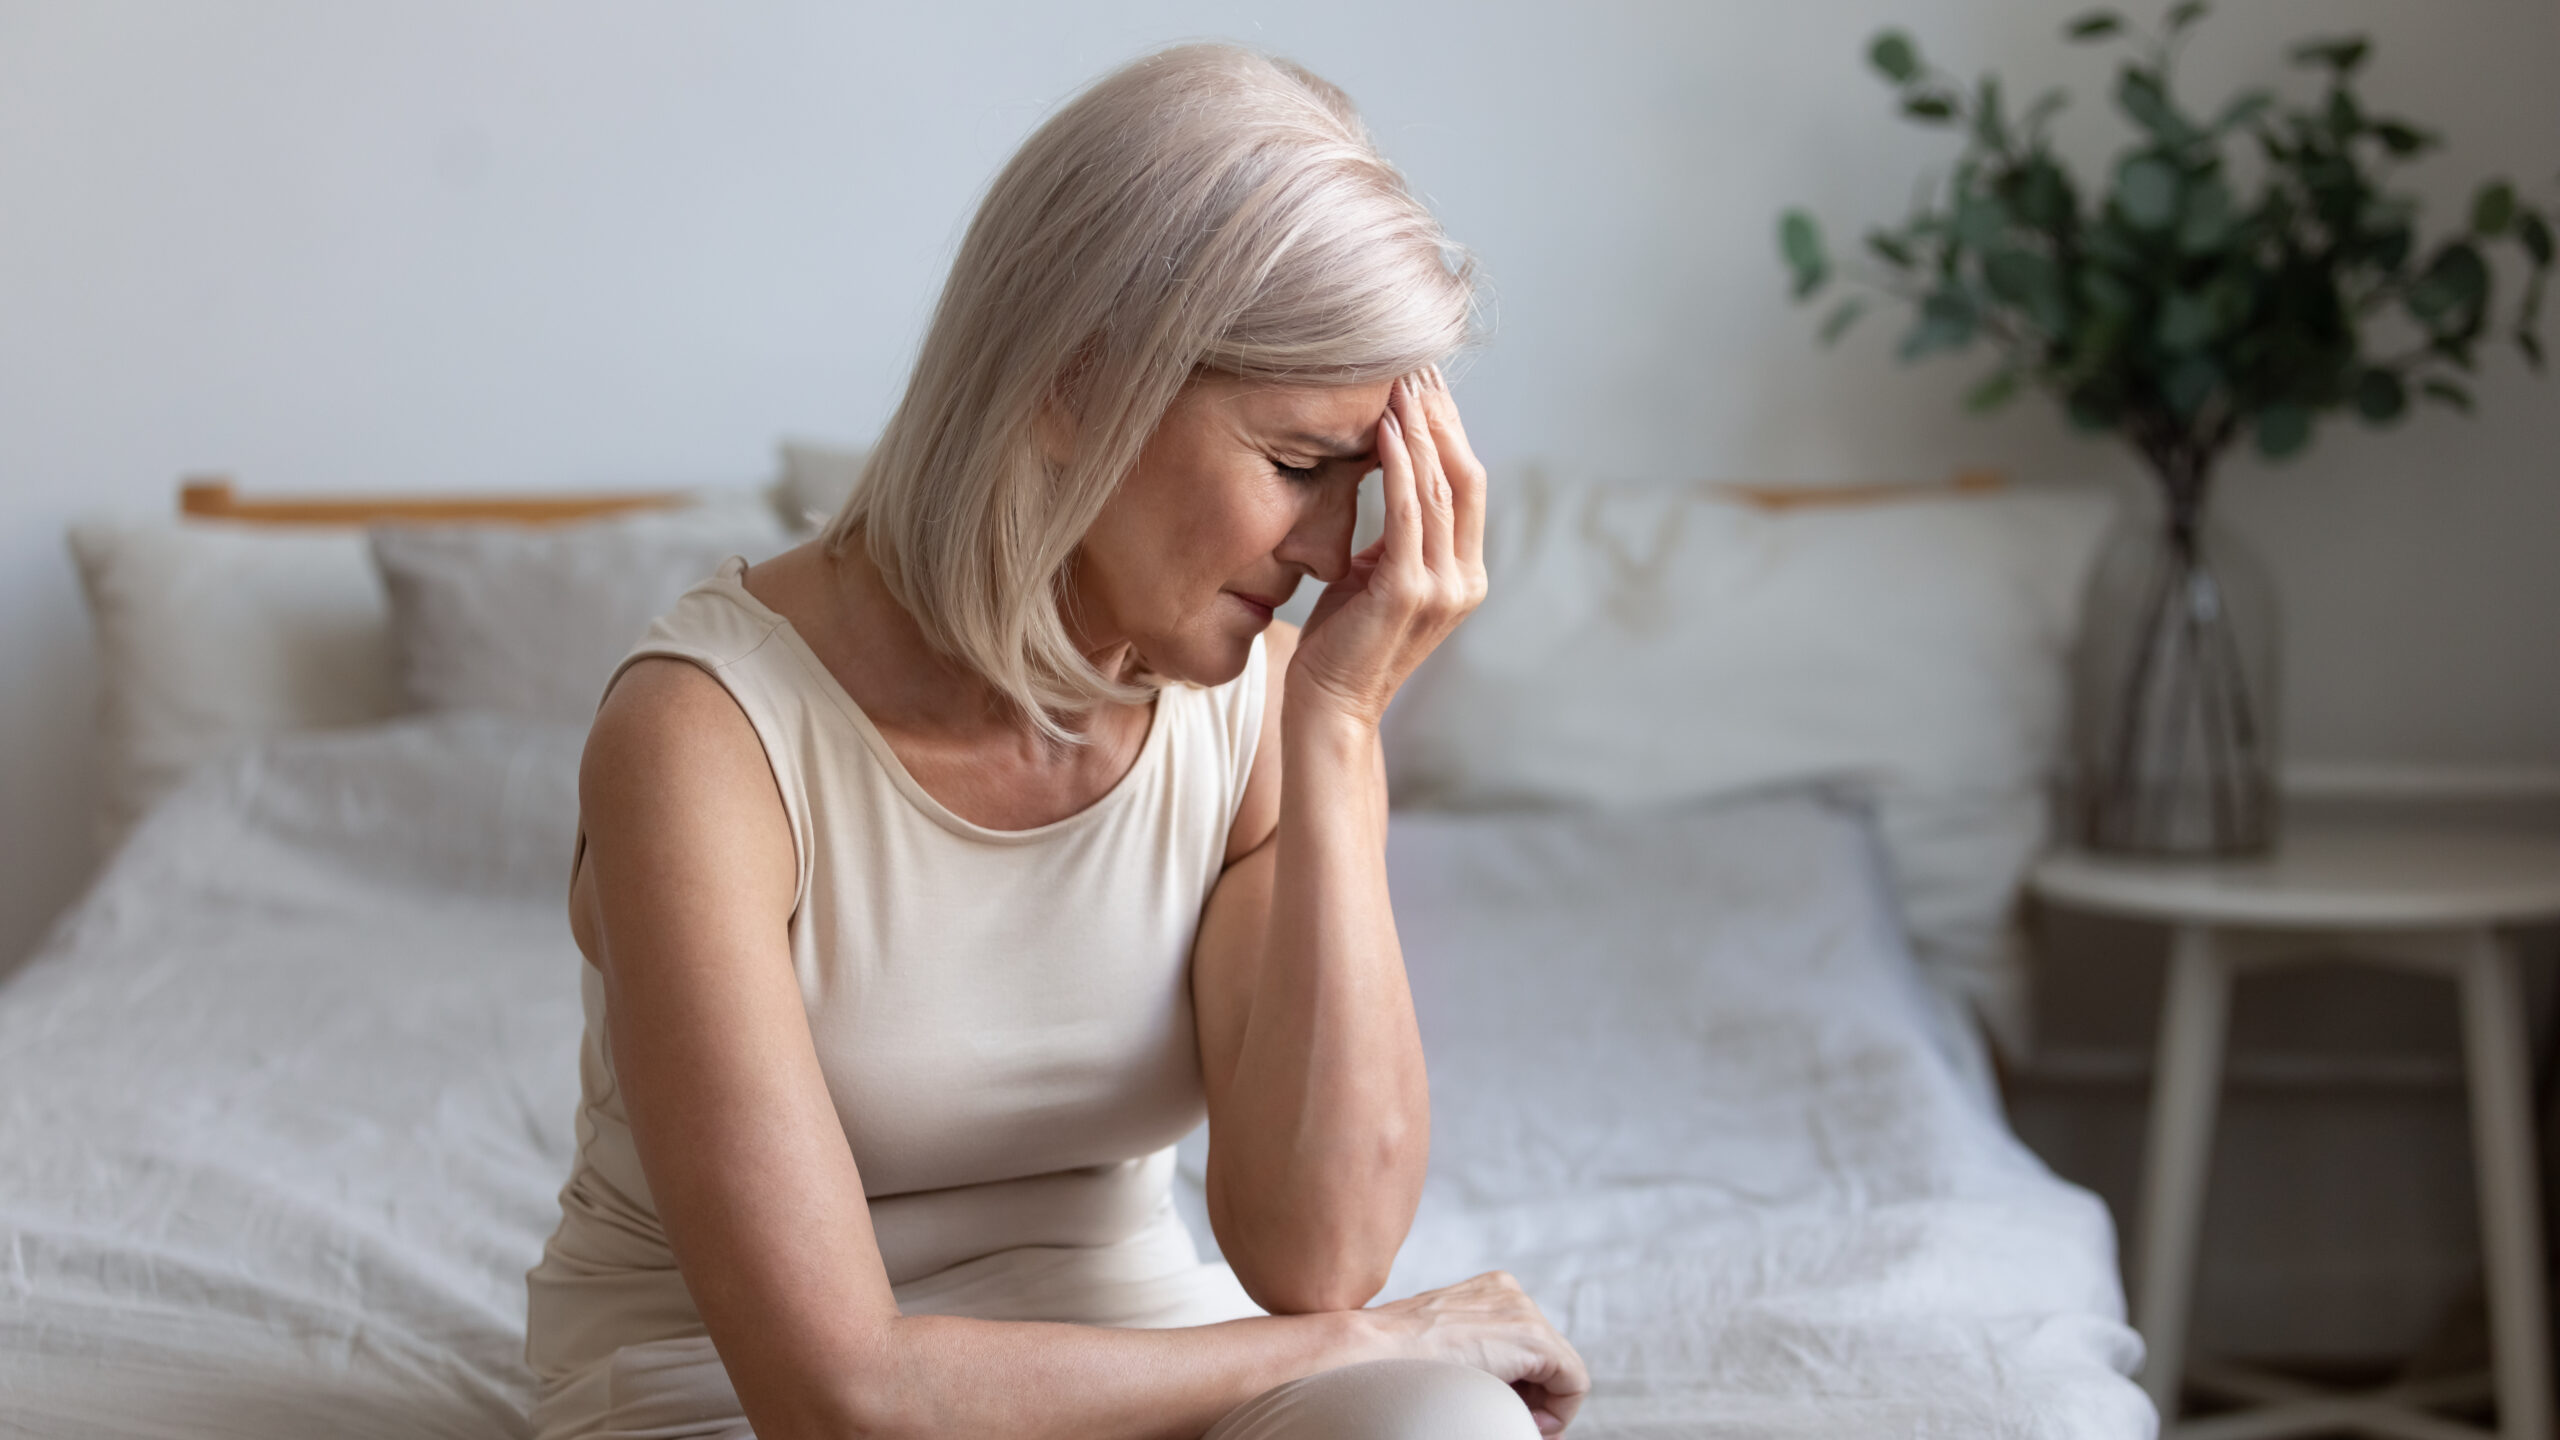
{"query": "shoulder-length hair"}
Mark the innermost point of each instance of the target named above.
(1205, 208)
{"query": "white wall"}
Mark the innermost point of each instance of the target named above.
(481, 244)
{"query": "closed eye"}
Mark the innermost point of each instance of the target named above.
(1302, 474)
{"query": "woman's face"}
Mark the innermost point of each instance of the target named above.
(1242, 490)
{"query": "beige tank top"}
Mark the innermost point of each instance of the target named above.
(1003, 1017)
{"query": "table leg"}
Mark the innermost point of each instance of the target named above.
(2186, 1090)
(2502, 1135)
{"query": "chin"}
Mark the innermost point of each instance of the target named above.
(1207, 656)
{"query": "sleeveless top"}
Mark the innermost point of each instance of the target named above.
(1003, 1017)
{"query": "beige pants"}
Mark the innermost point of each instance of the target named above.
(678, 1390)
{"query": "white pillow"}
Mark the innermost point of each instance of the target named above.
(530, 620)
(1643, 645)
(816, 480)
(210, 636)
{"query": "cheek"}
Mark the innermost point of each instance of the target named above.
(1229, 524)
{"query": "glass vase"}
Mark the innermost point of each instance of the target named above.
(2174, 692)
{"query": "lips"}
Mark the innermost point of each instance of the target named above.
(1264, 603)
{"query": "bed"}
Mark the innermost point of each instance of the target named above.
(285, 1100)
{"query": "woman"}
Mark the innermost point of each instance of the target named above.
(937, 875)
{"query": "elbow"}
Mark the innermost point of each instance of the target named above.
(832, 1413)
(1307, 1293)
(856, 1402)
(1294, 1269)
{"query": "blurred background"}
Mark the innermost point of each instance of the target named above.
(491, 246)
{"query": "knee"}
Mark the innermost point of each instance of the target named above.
(1389, 1400)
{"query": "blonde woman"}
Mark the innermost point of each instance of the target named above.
(936, 876)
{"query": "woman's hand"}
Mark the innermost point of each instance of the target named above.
(1489, 1322)
(1404, 594)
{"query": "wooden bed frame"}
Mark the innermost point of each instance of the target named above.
(214, 497)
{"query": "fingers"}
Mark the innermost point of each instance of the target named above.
(1431, 480)
(1466, 478)
(1401, 545)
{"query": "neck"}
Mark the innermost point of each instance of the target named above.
(924, 688)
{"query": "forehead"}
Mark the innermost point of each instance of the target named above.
(1341, 415)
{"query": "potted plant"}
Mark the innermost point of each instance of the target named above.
(2236, 277)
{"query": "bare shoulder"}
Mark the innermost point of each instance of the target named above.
(675, 797)
(669, 733)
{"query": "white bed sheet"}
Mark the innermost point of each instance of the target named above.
(1688, 1086)
(284, 1105)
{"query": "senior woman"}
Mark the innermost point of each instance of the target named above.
(936, 876)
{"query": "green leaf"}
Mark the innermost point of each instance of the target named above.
(2282, 430)
(2380, 397)
(1893, 53)
(1800, 241)
(2346, 117)
(1990, 127)
(2033, 283)
(2390, 247)
(2494, 209)
(2244, 107)
(2096, 25)
(2449, 294)
(1889, 248)
(1992, 392)
(2147, 192)
(1981, 220)
(2341, 55)
(1947, 322)
(2446, 392)
(2045, 107)
(1930, 109)
(2207, 221)
(2043, 195)
(2531, 345)
(2188, 384)
(2107, 292)
(2144, 99)
(2535, 232)
(2184, 14)
(2401, 138)
(2186, 322)
(1841, 318)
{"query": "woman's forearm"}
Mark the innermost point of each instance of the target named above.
(933, 1377)
(1328, 1081)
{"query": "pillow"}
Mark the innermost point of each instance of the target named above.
(530, 620)
(815, 482)
(212, 635)
(1642, 645)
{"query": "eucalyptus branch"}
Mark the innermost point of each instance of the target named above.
(2161, 306)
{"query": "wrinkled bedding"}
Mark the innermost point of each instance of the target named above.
(284, 1104)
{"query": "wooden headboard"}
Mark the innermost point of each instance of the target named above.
(212, 497)
(1801, 497)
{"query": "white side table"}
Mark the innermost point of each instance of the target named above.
(2439, 902)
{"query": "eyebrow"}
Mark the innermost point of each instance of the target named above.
(1330, 447)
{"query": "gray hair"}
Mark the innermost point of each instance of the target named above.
(1204, 208)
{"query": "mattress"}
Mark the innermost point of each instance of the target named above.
(284, 1104)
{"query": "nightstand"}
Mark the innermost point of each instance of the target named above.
(2436, 901)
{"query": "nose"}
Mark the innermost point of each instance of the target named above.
(1320, 542)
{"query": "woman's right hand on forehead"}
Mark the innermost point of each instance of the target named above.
(1405, 593)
